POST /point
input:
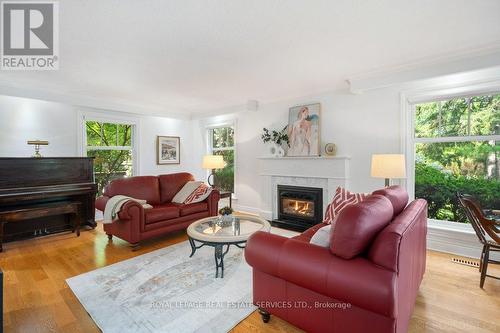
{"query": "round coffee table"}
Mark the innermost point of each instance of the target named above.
(212, 231)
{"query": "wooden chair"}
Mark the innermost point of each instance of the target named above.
(484, 228)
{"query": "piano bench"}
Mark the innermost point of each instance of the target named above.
(15, 214)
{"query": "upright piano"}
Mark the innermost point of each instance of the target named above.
(25, 182)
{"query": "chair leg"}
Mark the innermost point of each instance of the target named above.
(484, 267)
(481, 259)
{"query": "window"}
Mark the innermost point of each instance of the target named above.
(111, 146)
(221, 142)
(457, 148)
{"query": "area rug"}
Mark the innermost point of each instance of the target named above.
(166, 291)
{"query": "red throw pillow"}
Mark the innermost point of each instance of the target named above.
(341, 199)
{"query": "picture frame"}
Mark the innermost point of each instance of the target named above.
(168, 150)
(304, 125)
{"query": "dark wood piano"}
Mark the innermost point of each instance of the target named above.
(46, 182)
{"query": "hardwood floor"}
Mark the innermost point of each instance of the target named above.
(37, 299)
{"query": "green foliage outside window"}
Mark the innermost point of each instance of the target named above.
(223, 144)
(472, 167)
(111, 147)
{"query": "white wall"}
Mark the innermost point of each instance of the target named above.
(22, 119)
(150, 127)
(360, 125)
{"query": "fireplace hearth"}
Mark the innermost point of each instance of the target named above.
(299, 207)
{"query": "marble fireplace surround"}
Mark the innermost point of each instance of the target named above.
(323, 172)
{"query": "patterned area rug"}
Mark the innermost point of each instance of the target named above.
(166, 291)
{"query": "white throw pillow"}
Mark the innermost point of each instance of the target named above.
(322, 237)
(200, 194)
(186, 191)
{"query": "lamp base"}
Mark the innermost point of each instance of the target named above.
(211, 176)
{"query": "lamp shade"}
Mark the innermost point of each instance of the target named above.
(388, 166)
(213, 162)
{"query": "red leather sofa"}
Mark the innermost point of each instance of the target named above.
(319, 291)
(135, 223)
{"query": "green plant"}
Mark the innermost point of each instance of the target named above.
(439, 188)
(226, 211)
(278, 137)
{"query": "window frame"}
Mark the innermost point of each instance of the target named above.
(113, 119)
(409, 100)
(210, 147)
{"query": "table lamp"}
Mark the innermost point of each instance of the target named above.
(212, 162)
(388, 166)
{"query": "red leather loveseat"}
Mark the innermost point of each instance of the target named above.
(135, 223)
(319, 290)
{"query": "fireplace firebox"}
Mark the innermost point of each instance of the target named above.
(299, 208)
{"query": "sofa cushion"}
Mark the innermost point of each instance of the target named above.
(193, 208)
(139, 187)
(358, 224)
(341, 199)
(397, 195)
(172, 183)
(161, 213)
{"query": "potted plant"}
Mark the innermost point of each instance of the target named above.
(226, 214)
(276, 139)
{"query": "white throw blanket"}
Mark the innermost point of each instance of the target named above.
(114, 205)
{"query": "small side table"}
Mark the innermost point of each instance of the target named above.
(225, 194)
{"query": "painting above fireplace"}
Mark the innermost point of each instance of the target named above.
(299, 207)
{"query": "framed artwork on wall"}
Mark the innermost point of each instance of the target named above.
(304, 130)
(168, 150)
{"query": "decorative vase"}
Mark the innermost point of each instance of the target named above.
(272, 149)
(227, 218)
(281, 152)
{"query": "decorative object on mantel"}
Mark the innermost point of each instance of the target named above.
(168, 150)
(37, 144)
(276, 140)
(212, 162)
(330, 149)
(304, 130)
(388, 166)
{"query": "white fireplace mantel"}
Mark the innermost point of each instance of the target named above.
(323, 172)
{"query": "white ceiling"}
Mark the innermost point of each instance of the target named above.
(193, 56)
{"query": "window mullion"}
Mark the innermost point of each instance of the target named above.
(440, 119)
(468, 115)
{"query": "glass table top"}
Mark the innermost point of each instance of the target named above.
(237, 228)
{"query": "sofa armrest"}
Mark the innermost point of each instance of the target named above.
(131, 210)
(126, 212)
(357, 281)
(213, 202)
(100, 202)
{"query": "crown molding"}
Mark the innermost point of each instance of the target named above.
(17, 89)
(464, 60)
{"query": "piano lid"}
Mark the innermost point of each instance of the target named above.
(20, 172)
